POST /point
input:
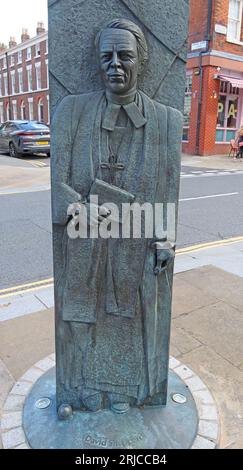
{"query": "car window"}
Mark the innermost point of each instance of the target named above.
(13, 127)
(33, 126)
(8, 127)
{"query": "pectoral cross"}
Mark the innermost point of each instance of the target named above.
(113, 167)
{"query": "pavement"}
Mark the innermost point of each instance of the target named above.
(206, 328)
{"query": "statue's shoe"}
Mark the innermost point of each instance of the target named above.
(120, 408)
(93, 402)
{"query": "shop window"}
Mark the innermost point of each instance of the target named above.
(227, 120)
(187, 108)
(235, 20)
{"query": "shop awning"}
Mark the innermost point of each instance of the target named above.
(235, 82)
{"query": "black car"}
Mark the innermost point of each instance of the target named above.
(24, 137)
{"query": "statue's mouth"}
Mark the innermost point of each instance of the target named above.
(116, 77)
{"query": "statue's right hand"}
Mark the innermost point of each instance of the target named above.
(82, 211)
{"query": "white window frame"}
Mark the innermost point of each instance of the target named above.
(5, 84)
(4, 63)
(12, 61)
(15, 111)
(47, 73)
(37, 49)
(20, 56)
(13, 82)
(48, 109)
(7, 111)
(38, 75)
(239, 21)
(40, 105)
(1, 113)
(29, 78)
(21, 82)
(31, 109)
(1, 84)
(28, 53)
(23, 108)
(46, 46)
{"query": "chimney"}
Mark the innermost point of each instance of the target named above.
(2, 47)
(40, 28)
(12, 42)
(24, 36)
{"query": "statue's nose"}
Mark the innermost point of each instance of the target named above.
(115, 61)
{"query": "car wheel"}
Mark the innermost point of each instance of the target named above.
(12, 150)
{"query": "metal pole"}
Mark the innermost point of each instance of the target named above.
(207, 38)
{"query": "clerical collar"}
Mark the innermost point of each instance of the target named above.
(128, 103)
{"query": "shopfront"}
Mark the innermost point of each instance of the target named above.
(230, 104)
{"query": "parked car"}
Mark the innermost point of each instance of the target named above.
(24, 137)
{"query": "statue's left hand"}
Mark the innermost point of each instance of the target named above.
(163, 258)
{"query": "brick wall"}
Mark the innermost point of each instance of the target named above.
(219, 41)
(35, 95)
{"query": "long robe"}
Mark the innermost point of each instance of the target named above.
(112, 312)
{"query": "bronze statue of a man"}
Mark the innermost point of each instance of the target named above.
(113, 296)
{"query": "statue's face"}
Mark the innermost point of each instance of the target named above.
(118, 60)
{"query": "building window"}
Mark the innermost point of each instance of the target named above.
(19, 57)
(13, 82)
(7, 112)
(187, 108)
(40, 110)
(227, 120)
(1, 113)
(21, 86)
(31, 110)
(37, 50)
(4, 63)
(48, 109)
(29, 78)
(12, 60)
(14, 105)
(5, 83)
(23, 111)
(28, 53)
(38, 75)
(1, 84)
(235, 20)
(47, 74)
(47, 46)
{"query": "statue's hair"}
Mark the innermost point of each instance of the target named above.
(132, 28)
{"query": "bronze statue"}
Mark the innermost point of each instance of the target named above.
(113, 296)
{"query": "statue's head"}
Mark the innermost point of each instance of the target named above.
(122, 51)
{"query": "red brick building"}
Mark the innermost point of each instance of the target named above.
(214, 87)
(24, 87)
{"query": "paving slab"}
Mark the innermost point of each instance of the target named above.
(218, 283)
(209, 325)
(25, 340)
(184, 303)
(226, 385)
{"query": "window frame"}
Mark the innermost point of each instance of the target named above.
(229, 94)
(237, 39)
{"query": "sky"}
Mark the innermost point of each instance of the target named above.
(18, 14)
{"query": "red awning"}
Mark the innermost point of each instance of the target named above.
(235, 82)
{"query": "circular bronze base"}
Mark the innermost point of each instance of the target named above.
(171, 427)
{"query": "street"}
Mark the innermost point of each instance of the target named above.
(210, 209)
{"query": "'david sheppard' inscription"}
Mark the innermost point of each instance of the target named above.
(112, 443)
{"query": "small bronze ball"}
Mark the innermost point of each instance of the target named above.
(65, 411)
